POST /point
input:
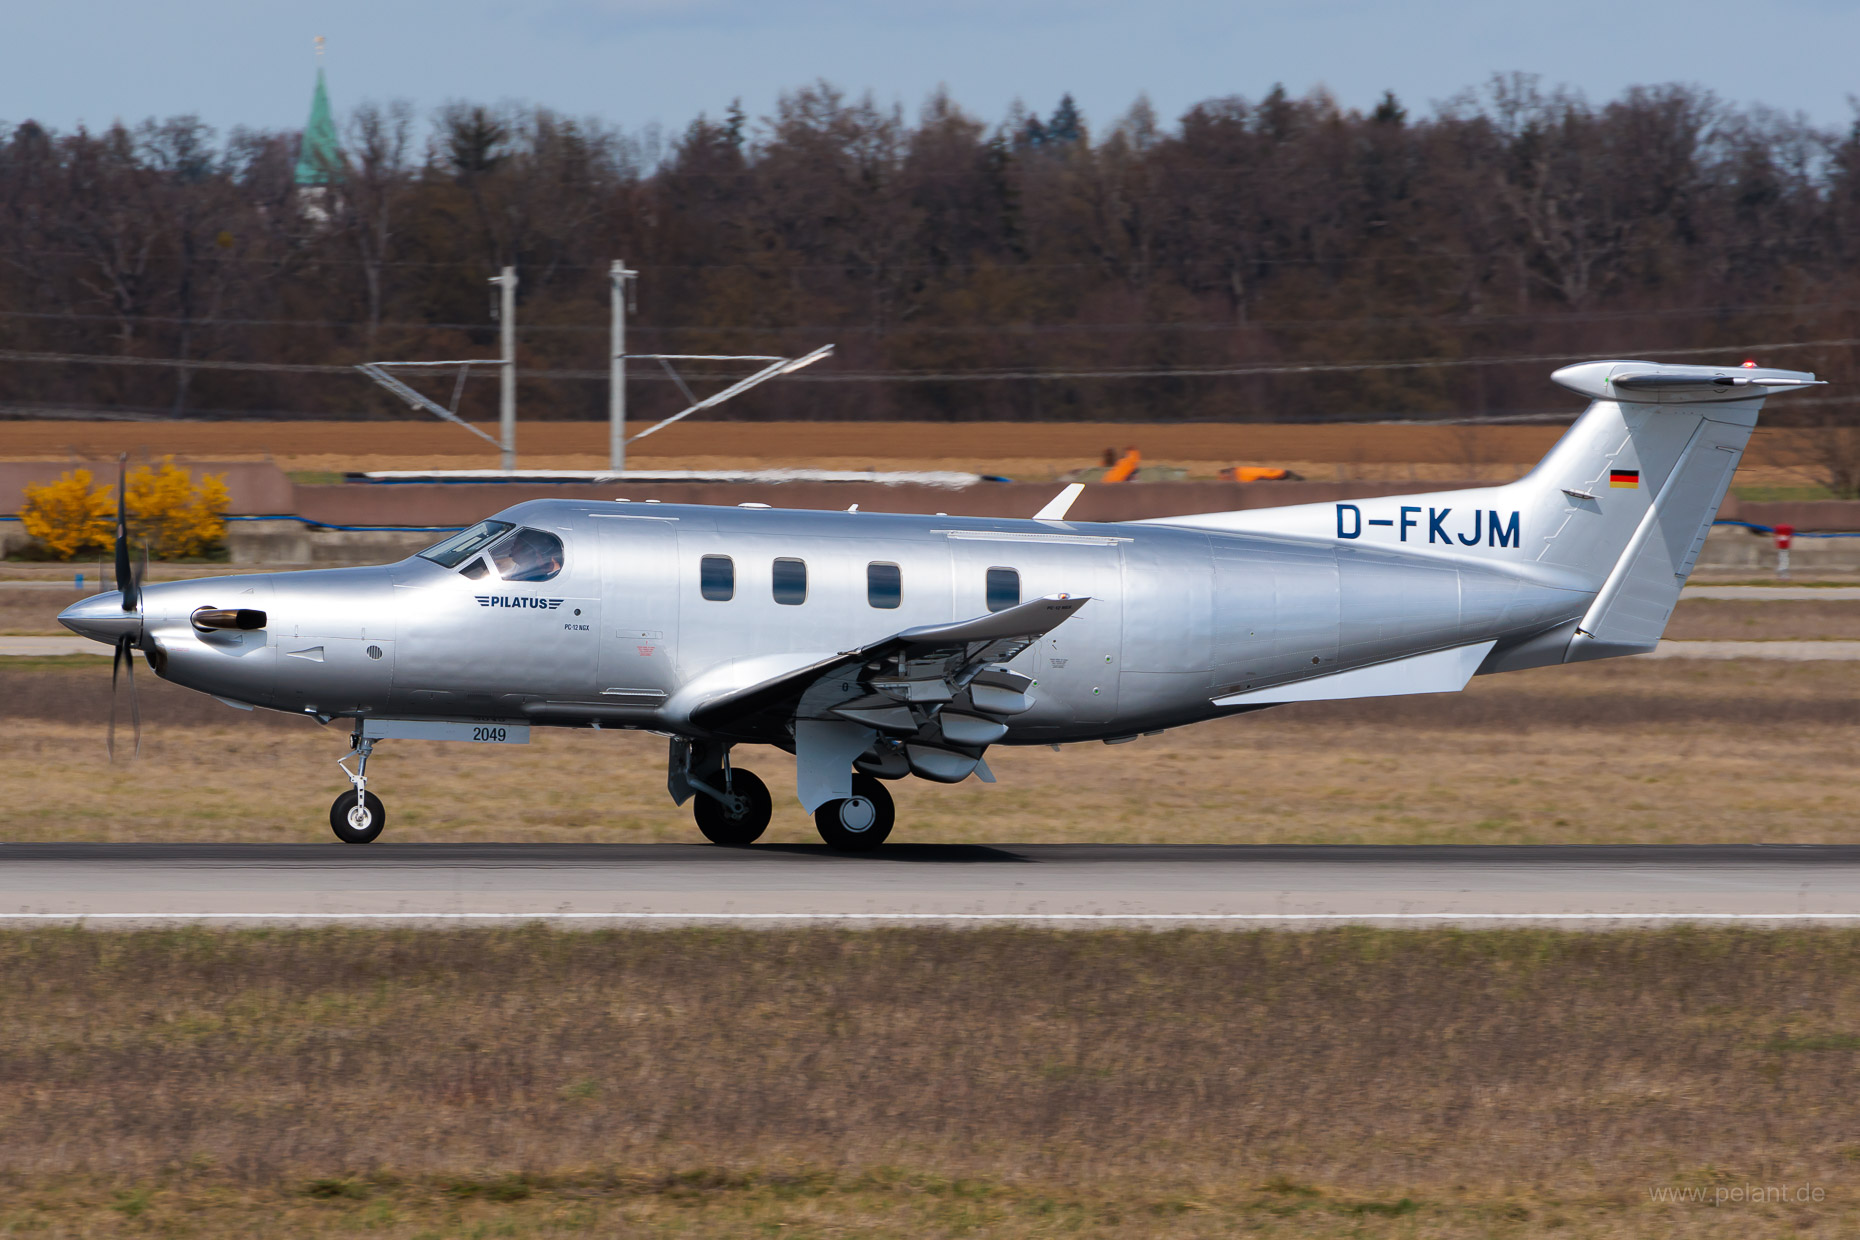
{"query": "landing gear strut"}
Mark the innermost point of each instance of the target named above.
(860, 822)
(357, 817)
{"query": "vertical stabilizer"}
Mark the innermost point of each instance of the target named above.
(1618, 509)
(1653, 499)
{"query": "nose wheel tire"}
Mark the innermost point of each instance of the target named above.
(357, 824)
(740, 826)
(859, 823)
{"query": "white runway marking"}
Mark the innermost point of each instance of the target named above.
(956, 918)
(1774, 594)
(49, 647)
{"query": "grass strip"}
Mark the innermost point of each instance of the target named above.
(923, 1082)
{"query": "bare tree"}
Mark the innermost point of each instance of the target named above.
(372, 191)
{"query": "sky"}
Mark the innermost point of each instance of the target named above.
(633, 63)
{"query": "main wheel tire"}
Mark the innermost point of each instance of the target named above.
(859, 823)
(357, 824)
(720, 826)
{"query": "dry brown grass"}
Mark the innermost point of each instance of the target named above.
(291, 443)
(1738, 620)
(1023, 450)
(1649, 752)
(36, 611)
(924, 1083)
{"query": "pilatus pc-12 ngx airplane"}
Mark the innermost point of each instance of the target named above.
(875, 646)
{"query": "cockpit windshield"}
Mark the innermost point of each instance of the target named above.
(516, 553)
(455, 550)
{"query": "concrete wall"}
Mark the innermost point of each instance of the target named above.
(463, 504)
(261, 489)
(1730, 549)
(293, 542)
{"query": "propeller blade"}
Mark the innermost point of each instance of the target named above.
(132, 593)
(130, 583)
(135, 708)
(124, 655)
(116, 666)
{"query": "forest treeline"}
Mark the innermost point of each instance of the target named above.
(1344, 263)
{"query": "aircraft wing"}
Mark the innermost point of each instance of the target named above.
(894, 685)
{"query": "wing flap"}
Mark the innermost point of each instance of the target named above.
(926, 665)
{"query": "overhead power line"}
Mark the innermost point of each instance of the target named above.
(990, 329)
(1237, 370)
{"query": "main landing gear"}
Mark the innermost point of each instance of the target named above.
(737, 814)
(357, 817)
(859, 823)
(733, 807)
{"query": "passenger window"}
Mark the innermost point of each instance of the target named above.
(791, 582)
(526, 555)
(717, 578)
(1003, 589)
(884, 585)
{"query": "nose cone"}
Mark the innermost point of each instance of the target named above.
(102, 618)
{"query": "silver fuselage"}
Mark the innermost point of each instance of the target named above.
(623, 636)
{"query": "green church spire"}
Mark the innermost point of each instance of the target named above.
(319, 159)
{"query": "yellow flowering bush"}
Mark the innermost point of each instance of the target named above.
(67, 518)
(176, 516)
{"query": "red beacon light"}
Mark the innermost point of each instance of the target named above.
(1750, 365)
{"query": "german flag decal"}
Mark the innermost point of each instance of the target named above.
(1629, 478)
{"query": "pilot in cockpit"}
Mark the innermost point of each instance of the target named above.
(527, 555)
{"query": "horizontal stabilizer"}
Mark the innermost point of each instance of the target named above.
(1670, 383)
(1654, 380)
(1440, 671)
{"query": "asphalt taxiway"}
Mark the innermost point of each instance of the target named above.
(1058, 884)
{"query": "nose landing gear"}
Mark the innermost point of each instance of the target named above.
(357, 817)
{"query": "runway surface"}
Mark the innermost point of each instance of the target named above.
(1783, 651)
(1779, 592)
(1059, 884)
(1774, 594)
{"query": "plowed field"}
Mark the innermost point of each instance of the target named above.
(1024, 450)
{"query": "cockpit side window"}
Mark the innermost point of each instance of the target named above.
(526, 555)
(455, 550)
